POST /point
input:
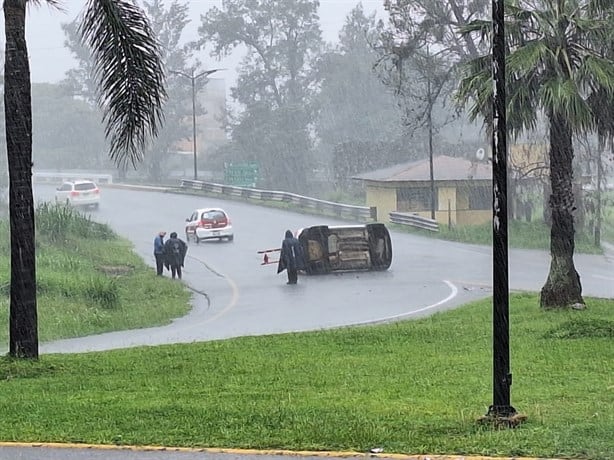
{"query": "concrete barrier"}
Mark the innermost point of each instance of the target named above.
(47, 177)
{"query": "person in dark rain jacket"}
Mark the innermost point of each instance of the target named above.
(159, 252)
(175, 250)
(291, 257)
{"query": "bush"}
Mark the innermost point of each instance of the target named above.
(104, 291)
(582, 328)
(56, 223)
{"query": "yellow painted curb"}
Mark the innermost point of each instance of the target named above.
(289, 453)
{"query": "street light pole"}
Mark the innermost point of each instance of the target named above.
(501, 411)
(193, 79)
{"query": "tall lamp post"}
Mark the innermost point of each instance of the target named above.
(192, 77)
(501, 411)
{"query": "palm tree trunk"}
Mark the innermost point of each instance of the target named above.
(23, 330)
(562, 288)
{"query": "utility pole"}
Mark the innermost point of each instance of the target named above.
(429, 116)
(193, 79)
(501, 411)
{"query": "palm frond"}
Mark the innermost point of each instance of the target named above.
(129, 69)
(560, 96)
(476, 87)
(482, 27)
(522, 101)
(597, 72)
(53, 3)
(598, 8)
(531, 57)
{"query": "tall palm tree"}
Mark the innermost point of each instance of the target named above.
(131, 79)
(555, 66)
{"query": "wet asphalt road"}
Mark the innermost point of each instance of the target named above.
(236, 296)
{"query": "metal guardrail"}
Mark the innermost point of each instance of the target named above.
(363, 213)
(55, 177)
(414, 220)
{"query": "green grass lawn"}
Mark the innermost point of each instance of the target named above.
(409, 387)
(525, 235)
(89, 280)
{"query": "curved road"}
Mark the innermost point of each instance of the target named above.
(236, 296)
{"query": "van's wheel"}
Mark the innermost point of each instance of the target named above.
(231, 238)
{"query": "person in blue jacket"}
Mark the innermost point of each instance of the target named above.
(159, 252)
(291, 257)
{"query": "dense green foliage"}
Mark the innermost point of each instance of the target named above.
(408, 387)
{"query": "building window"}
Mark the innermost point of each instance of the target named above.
(412, 199)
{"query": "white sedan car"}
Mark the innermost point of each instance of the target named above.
(78, 193)
(207, 224)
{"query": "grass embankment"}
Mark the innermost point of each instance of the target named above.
(524, 235)
(408, 387)
(89, 280)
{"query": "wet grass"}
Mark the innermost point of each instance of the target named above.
(522, 235)
(410, 387)
(89, 280)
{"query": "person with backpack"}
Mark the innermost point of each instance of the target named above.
(175, 250)
(291, 258)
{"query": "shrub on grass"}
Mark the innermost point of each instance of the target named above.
(56, 223)
(60, 261)
(103, 291)
(96, 289)
(582, 328)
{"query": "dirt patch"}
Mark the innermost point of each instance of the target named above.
(116, 270)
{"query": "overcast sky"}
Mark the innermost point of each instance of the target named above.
(49, 60)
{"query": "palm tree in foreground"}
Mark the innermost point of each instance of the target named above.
(556, 65)
(131, 79)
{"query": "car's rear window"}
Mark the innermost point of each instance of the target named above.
(214, 215)
(85, 186)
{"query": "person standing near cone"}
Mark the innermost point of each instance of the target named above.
(291, 257)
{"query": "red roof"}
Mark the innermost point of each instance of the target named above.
(445, 168)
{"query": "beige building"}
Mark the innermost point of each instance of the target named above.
(463, 190)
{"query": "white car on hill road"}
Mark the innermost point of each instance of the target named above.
(78, 193)
(207, 224)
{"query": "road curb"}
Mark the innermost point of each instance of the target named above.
(278, 452)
